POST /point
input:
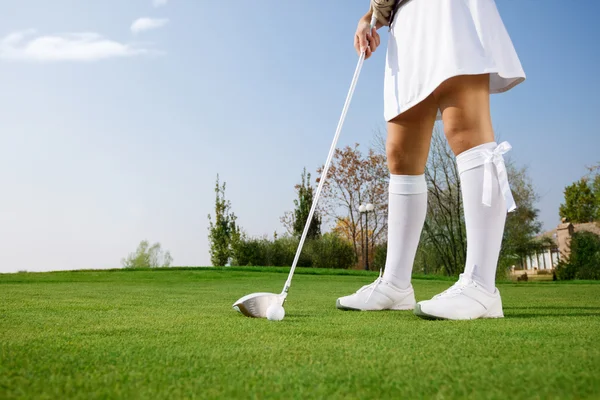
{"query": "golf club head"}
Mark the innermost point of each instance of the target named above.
(255, 305)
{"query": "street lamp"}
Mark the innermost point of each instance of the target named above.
(366, 209)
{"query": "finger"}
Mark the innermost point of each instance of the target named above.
(372, 46)
(376, 37)
(374, 42)
(363, 42)
(356, 44)
(368, 53)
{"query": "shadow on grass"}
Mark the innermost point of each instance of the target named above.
(551, 315)
(553, 308)
(552, 311)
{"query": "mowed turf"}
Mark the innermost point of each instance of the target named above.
(170, 334)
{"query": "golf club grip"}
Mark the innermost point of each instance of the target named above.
(361, 59)
(373, 20)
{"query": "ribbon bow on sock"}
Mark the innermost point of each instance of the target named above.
(494, 157)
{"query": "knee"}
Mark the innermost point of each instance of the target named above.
(401, 162)
(458, 137)
(462, 138)
(464, 133)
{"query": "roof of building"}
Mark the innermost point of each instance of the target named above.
(593, 227)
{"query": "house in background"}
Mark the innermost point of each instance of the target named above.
(547, 258)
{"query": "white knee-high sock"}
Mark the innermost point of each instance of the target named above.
(486, 197)
(406, 214)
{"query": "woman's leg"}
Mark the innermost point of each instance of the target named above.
(464, 102)
(465, 106)
(407, 147)
(409, 137)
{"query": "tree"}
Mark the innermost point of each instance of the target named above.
(596, 190)
(287, 220)
(331, 251)
(594, 169)
(343, 229)
(595, 186)
(147, 256)
(354, 179)
(295, 221)
(443, 241)
(443, 244)
(580, 203)
(522, 225)
(224, 231)
(584, 259)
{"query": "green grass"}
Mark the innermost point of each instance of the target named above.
(172, 334)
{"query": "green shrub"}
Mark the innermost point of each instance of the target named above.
(262, 252)
(379, 256)
(331, 251)
(249, 251)
(584, 260)
(565, 271)
(505, 264)
(281, 252)
(305, 259)
(585, 255)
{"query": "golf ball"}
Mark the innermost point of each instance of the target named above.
(275, 312)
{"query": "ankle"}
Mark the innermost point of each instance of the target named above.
(396, 282)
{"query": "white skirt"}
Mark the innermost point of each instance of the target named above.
(433, 40)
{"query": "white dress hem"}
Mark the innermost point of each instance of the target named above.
(514, 80)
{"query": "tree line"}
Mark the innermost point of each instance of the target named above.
(357, 177)
(582, 206)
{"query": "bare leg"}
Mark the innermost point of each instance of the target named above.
(407, 147)
(464, 101)
(409, 137)
(465, 104)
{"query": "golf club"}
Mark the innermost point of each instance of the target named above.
(256, 304)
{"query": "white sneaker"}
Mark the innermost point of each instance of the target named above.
(379, 295)
(464, 300)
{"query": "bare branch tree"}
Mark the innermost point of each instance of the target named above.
(355, 179)
(443, 243)
(443, 231)
(288, 221)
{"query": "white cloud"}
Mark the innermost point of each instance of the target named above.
(145, 24)
(158, 3)
(85, 46)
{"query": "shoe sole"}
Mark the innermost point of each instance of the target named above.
(342, 307)
(339, 306)
(419, 313)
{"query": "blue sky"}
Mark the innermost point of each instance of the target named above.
(113, 128)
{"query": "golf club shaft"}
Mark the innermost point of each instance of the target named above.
(361, 59)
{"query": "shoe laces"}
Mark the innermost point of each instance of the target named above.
(457, 288)
(372, 286)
